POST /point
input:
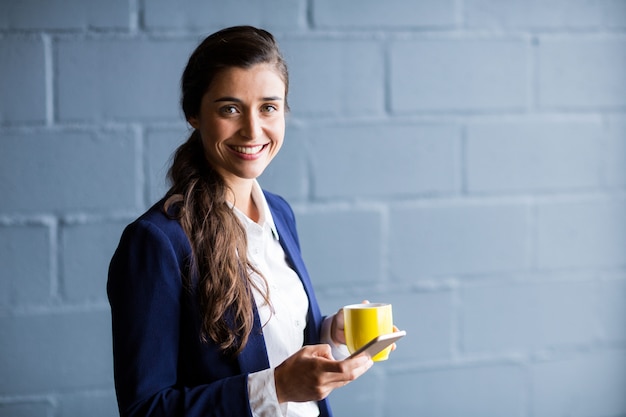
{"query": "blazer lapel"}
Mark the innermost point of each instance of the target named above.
(253, 357)
(290, 246)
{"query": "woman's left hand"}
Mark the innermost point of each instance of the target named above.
(337, 328)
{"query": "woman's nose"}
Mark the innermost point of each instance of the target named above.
(251, 127)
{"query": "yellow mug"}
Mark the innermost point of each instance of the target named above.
(363, 322)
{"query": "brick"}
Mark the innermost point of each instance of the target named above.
(23, 81)
(160, 148)
(393, 14)
(330, 299)
(586, 385)
(427, 318)
(528, 316)
(120, 79)
(327, 77)
(342, 247)
(93, 404)
(542, 14)
(384, 160)
(26, 409)
(64, 14)
(198, 14)
(616, 153)
(458, 75)
(55, 352)
(534, 156)
(86, 250)
(288, 174)
(497, 390)
(25, 258)
(581, 234)
(457, 239)
(581, 72)
(68, 171)
(613, 309)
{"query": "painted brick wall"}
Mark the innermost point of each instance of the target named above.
(462, 159)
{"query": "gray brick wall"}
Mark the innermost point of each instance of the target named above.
(462, 159)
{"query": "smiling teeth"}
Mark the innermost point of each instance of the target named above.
(249, 150)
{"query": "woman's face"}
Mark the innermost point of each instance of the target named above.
(242, 121)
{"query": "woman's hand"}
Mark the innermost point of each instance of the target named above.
(337, 326)
(312, 373)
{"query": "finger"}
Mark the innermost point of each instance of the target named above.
(358, 365)
(339, 373)
(338, 333)
(339, 319)
(362, 359)
(395, 329)
(320, 351)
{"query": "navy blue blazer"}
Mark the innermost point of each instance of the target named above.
(161, 367)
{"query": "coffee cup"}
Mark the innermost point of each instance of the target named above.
(363, 322)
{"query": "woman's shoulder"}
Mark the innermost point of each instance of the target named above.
(281, 211)
(158, 216)
(158, 224)
(277, 203)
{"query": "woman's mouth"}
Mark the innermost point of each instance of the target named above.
(248, 150)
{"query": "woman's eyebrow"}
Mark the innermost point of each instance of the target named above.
(237, 100)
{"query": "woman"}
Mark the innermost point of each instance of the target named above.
(211, 302)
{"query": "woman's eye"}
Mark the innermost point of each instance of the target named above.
(228, 110)
(268, 108)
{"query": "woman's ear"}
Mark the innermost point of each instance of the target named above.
(193, 121)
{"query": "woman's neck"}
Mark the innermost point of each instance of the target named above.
(242, 195)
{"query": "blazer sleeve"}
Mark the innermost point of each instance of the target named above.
(145, 292)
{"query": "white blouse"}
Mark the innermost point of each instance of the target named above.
(283, 321)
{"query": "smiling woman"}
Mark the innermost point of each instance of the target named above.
(242, 125)
(196, 330)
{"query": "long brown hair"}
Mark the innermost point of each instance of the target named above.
(218, 240)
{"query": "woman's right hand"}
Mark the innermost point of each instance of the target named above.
(337, 327)
(312, 373)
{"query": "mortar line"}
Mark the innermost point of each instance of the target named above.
(55, 256)
(135, 13)
(48, 78)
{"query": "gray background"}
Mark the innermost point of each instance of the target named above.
(462, 159)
